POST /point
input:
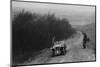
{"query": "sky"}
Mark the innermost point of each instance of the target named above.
(77, 15)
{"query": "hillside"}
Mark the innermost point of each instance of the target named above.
(75, 53)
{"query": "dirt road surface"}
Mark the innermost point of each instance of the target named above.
(75, 53)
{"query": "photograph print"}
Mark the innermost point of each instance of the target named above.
(52, 33)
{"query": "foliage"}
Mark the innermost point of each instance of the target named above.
(33, 32)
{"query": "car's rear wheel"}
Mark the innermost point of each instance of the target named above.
(53, 52)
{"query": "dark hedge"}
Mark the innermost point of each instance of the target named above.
(33, 32)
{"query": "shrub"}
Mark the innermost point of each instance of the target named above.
(34, 32)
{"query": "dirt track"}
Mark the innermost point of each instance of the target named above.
(74, 53)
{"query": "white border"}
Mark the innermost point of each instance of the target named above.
(5, 33)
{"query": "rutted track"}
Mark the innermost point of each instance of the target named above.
(74, 52)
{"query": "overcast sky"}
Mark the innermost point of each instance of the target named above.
(77, 15)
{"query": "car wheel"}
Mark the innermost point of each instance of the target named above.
(53, 52)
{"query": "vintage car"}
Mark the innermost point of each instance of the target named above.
(59, 48)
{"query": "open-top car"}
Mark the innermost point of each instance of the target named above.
(59, 48)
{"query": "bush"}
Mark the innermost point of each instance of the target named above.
(34, 32)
